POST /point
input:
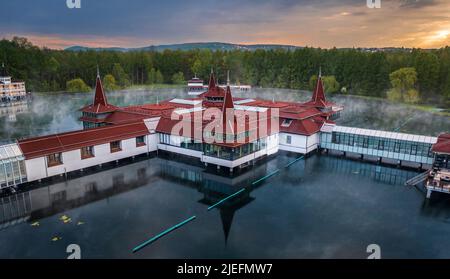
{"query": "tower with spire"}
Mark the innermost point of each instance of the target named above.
(95, 114)
(318, 98)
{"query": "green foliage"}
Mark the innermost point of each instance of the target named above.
(394, 95)
(412, 96)
(330, 84)
(109, 83)
(77, 85)
(358, 71)
(120, 76)
(178, 78)
(155, 77)
(403, 83)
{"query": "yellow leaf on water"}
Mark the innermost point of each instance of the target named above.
(64, 217)
(56, 238)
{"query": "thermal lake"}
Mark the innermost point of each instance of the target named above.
(319, 207)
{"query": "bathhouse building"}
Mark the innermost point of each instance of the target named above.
(213, 128)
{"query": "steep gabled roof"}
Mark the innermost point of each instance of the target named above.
(213, 89)
(318, 98)
(319, 94)
(100, 104)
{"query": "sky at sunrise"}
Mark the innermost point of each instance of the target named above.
(316, 23)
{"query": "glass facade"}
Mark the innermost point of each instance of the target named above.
(391, 145)
(233, 153)
(213, 150)
(12, 166)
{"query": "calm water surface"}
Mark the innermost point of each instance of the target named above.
(321, 207)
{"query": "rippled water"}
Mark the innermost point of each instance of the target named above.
(321, 207)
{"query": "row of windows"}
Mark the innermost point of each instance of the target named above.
(384, 144)
(89, 151)
(228, 137)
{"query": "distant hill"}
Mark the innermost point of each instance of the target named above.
(190, 46)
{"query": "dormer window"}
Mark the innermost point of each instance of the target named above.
(286, 123)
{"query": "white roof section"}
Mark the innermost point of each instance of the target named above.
(245, 101)
(385, 134)
(185, 102)
(10, 151)
(184, 111)
(249, 108)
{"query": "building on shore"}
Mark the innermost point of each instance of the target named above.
(197, 87)
(10, 91)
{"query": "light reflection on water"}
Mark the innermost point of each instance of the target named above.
(321, 207)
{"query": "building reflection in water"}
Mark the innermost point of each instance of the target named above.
(46, 201)
(12, 109)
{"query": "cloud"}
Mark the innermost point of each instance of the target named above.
(324, 23)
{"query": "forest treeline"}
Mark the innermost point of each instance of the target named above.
(423, 73)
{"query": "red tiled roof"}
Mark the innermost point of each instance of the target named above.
(121, 117)
(305, 127)
(442, 145)
(228, 101)
(301, 113)
(46, 145)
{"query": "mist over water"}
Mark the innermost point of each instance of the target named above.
(59, 112)
(320, 207)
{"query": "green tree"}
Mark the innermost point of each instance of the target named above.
(109, 83)
(178, 78)
(159, 78)
(155, 77)
(403, 83)
(77, 85)
(120, 76)
(196, 67)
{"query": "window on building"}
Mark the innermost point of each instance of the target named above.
(115, 146)
(288, 139)
(381, 144)
(397, 147)
(87, 152)
(414, 149)
(140, 141)
(54, 160)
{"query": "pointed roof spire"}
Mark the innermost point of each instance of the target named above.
(212, 81)
(228, 100)
(99, 97)
(98, 71)
(100, 104)
(318, 96)
(228, 78)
